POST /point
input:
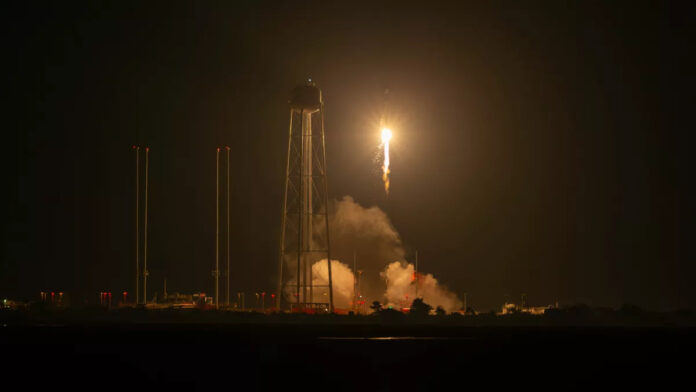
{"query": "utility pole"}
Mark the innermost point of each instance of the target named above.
(227, 302)
(355, 281)
(415, 275)
(137, 224)
(216, 273)
(145, 271)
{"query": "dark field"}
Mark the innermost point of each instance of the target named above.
(367, 356)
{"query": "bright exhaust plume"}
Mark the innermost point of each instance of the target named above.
(386, 137)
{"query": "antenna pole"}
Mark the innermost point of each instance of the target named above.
(326, 215)
(216, 273)
(145, 271)
(416, 274)
(137, 224)
(227, 302)
(279, 293)
(355, 282)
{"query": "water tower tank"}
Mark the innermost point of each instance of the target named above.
(307, 96)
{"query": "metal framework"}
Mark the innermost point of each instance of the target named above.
(305, 222)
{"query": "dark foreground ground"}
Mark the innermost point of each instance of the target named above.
(368, 356)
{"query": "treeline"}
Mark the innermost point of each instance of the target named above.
(419, 313)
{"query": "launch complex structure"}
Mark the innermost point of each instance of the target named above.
(304, 238)
(304, 285)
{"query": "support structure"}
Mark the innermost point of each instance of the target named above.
(415, 274)
(227, 232)
(216, 272)
(305, 223)
(355, 282)
(146, 273)
(137, 224)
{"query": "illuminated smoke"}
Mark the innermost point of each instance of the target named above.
(352, 223)
(403, 288)
(369, 233)
(386, 136)
(342, 277)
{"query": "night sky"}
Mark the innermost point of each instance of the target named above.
(540, 149)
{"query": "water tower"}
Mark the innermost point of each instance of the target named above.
(305, 224)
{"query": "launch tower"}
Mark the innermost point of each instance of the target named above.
(304, 237)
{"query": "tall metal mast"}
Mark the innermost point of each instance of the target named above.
(216, 273)
(415, 274)
(283, 221)
(137, 223)
(355, 282)
(145, 271)
(227, 301)
(326, 208)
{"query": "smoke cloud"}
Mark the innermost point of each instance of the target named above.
(362, 226)
(343, 283)
(368, 234)
(403, 287)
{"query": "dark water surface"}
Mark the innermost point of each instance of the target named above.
(339, 357)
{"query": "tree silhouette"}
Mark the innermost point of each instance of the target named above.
(420, 308)
(376, 306)
(440, 311)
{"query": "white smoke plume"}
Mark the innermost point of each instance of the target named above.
(367, 233)
(343, 283)
(403, 288)
(353, 222)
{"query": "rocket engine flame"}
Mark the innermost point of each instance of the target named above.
(386, 136)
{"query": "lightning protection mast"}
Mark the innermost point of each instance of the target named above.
(137, 224)
(305, 222)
